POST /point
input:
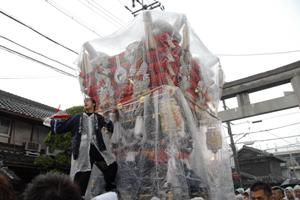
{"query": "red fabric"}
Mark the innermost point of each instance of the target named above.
(161, 70)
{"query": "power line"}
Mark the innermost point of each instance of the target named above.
(97, 13)
(72, 17)
(279, 137)
(105, 12)
(270, 129)
(267, 118)
(265, 140)
(30, 77)
(34, 30)
(265, 130)
(37, 52)
(258, 54)
(35, 60)
(285, 146)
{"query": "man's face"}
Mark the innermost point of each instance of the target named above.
(289, 194)
(259, 195)
(277, 195)
(88, 105)
(297, 193)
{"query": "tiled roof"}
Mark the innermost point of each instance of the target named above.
(262, 153)
(17, 105)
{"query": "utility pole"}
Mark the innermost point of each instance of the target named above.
(151, 6)
(236, 162)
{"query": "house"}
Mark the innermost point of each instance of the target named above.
(259, 165)
(22, 133)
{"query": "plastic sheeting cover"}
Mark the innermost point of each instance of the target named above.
(166, 85)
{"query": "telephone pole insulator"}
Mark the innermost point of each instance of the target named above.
(151, 6)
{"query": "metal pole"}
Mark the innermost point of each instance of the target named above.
(236, 162)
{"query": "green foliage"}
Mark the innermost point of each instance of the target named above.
(43, 161)
(74, 110)
(61, 142)
(62, 158)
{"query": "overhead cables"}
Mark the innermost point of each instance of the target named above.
(265, 130)
(37, 52)
(108, 14)
(63, 11)
(265, 140)
(268, 118)
(27, 77)
(37, 61)
(34, 30)
(259, 54)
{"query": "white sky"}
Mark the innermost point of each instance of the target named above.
(231, 27)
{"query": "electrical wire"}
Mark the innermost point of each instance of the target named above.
(97, 13)
(265, 130)
(60, 9)
(267, 118)
(35, 60)
(37, 52)
(285, 146)
(106, 12)
(34, 30)
(279, 137)
(265, 140)
(258, 54)
(31, 77)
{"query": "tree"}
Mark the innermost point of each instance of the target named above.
(62, 144)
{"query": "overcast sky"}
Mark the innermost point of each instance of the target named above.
(230, 29)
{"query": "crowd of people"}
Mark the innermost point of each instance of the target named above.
(49, 186)
(263, 191)
(56, 186)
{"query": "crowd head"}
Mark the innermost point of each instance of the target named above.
(261, 191)
(277, 193)
(52, 186)
(297, 191)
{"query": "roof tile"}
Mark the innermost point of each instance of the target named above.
(18, 105)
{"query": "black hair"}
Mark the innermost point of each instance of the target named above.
(261, 186)
(93, 101)
(52, 186)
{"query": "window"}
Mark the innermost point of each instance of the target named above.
(4, 125)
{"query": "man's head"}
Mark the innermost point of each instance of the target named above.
(297, 191)
(89, 105)
(52, 186)
(260, 191)
(277, 193)
(289, 193)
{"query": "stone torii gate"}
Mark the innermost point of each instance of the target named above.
(241, 88)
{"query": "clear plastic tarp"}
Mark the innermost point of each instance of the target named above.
(165, 83)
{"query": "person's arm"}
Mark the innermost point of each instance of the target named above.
(58, 126)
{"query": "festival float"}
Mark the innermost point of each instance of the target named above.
(168, 140)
